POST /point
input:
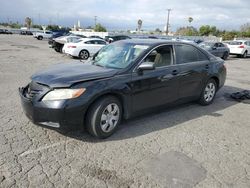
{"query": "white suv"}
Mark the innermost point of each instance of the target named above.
(239, 47)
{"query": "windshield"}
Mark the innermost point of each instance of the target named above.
(118, 55)
(206, 44)
(235, 43)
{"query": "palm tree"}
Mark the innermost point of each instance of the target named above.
(28, 22)
(139, 24)
(190, 19)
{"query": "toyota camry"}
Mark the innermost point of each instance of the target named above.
(122, 80)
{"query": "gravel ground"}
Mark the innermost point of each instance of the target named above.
(187, 146)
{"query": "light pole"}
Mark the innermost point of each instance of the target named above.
(167, 27)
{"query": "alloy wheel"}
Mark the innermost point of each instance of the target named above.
(110, 117)
(84, 54)
(209, 92)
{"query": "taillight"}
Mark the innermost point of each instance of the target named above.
(71, 46)
(241, 46)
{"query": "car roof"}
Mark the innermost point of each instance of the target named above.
(89, 39)
(151, 42)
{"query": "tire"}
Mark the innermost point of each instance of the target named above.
(84, 54)
(244, 55)
(103, 117)
(208, 93)
(40, 38)
(225, 55)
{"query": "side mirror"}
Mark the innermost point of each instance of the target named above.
(214, 48)
(146, 66)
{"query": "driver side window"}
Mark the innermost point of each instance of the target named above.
(161, 56)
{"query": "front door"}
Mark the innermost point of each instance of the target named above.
(156, 87)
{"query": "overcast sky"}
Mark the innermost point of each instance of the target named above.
(123, 14)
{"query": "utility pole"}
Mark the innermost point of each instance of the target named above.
(95, 20)
(167, 26)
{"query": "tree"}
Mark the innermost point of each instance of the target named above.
(100, 28)
(53, 27)
(187, 31)
(245, 27)
(139, 23)
(37, 26)
(28, 22)
(190, 20)
(157, 30)
(204, 30)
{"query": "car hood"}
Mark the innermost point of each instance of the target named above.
(66, 74)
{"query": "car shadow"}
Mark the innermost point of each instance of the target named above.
(164, 119)
(235, 57)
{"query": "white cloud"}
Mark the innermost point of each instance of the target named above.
(124, 13)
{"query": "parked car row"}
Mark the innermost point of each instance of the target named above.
(241, 48)
(5, 31)
(81, 46)
(77, 47)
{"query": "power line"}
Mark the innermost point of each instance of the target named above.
(167, 26)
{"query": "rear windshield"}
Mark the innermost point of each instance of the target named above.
(235, 43)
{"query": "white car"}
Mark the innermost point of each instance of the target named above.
(84, 48)
(43, 35)
(239, 47)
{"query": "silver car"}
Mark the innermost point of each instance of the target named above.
(216, 48)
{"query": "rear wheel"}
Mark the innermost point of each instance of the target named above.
(225, 55)
(84, 54)
(245, 54)
(104, 117)
(208, 92)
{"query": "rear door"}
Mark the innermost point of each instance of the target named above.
(248, 47)
(92, 46)
(215, 50)
(194, 68)
(221, 49)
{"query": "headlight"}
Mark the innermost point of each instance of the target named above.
(59, 94)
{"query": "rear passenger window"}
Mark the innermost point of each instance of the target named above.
(187, 54)
(90, 42)
(101, 42)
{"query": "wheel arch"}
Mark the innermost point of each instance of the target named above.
(217, 81)
(119, 96)
(83, 50)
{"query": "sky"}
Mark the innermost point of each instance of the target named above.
(124, 14)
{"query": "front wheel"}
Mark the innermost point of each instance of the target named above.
(84, 54)
(104, 117)
(208, 93)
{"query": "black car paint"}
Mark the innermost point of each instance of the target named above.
(137, 91)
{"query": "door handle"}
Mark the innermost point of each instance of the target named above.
(175, 72)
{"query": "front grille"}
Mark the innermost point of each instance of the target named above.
(34, 89)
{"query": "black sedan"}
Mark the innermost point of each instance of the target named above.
(216, 48)
(124, 79)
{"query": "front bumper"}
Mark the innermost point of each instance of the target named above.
(55, 114)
